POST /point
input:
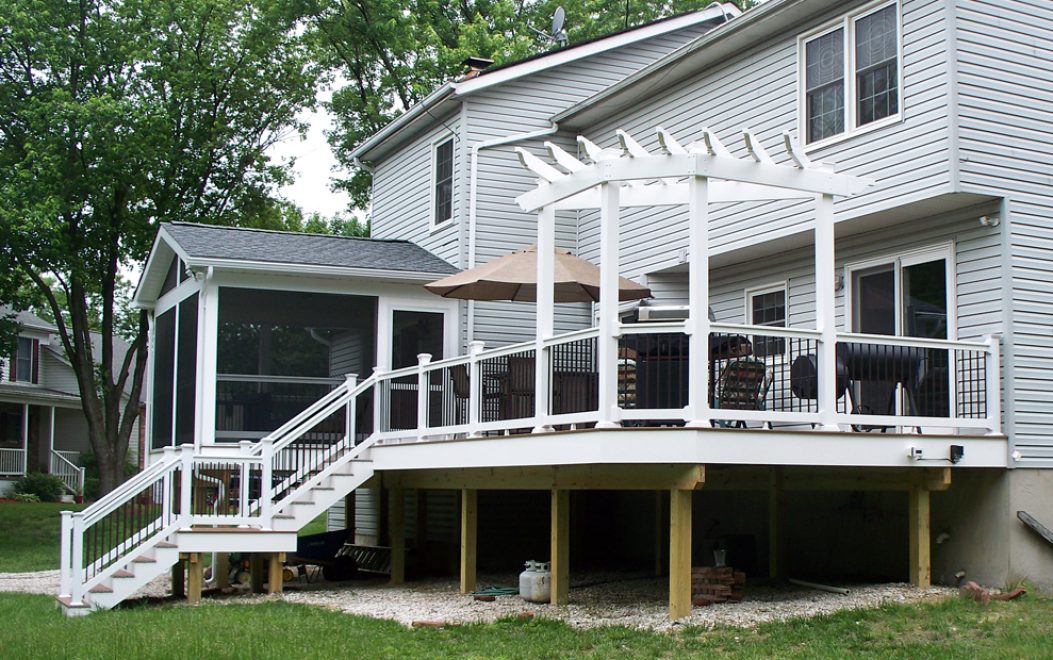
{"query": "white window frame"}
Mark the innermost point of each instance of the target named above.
(434, 180)
(774, 287)
(33, 366)
(847, 24)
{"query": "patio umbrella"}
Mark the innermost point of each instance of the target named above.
(514, 277)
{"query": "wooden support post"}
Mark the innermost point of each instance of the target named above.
(560, 547)
(920, 549)
(397, 534)
(256, 571)
(179, 579)
(775, 534)
(679, 553)
(660, 531)
(274, 572)
(469, 536)
(221, 571)
(195, 578)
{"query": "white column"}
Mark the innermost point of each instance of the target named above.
(546, 246)
(423, 389)
(51, 433)
(825, 313)
(697, 413)
(25, 438)
(475, 388)
(208, 339)
(608, 338)
(994, 385)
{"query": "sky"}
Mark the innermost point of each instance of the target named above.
(313, 169)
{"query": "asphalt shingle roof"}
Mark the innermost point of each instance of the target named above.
(215, 242)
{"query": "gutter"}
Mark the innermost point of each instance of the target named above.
(473, 196)
(397, 124)
(302, 269)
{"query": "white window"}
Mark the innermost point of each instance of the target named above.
(767, 306)
(851, 74)
(23, 368)
(442, 176)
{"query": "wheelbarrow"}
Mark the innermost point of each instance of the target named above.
(325, 550)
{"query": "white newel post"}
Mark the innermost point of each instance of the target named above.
(350, 382)
(66, 564)
(825, 313)
(698, 404)
(423, 389)
(994, 384)
(545, 318)
(167, 487)
(475, 388)
(266, 479)
(378, 404)
(607, 343)
(77, 563)
(244, 476)
(186, 457)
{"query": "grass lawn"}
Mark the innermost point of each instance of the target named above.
(952, 628)
(29, 535)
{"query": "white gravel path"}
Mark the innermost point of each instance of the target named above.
(604, 599)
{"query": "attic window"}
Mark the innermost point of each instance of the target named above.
(23, 367)
(851, 74)
(443, 183)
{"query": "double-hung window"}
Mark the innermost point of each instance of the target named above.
(23, 367)
(767, 306)
(851, 74)
(443, 183)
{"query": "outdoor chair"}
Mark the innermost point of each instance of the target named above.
(743, 385)
(517, 392)
(462, 392)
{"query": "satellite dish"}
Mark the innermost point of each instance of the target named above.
(557, 21)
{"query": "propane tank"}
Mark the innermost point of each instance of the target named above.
(526, 580)
(541, 584)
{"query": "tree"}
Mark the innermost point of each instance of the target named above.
(392, 54)
(115, 115)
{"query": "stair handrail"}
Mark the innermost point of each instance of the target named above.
(309, 412)
(68, 467)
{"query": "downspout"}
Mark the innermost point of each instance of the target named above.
(473, 195)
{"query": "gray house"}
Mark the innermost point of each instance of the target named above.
(838, 208)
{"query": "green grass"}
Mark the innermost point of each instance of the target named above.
(29, 535)
(316, 526)
(33, 628)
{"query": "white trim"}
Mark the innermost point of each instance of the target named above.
(272, 267)
(437, 143)
(774, 287)
(846, 24)
(386, 308)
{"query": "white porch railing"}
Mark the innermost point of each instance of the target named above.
(62, 466)
(12, 462)
(755, 376)
(243, 484)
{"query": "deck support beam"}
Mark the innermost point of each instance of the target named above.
(397, 534)
(469, 538)
(679, 553)
(920, 548)
(275, 566)
(560, 555)
(195, 578)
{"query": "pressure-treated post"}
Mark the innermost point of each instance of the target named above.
(195, 578)
(397, 535)
(698, 291)
(546, 298)
(607, 343)
(275, 568)
(423, 390)
(475, 388)
(560, 547)
(994, 385)
(679, 553)
(469, 536)
(920, 553)
(825, 313)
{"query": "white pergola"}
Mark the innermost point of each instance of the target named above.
(697, 175)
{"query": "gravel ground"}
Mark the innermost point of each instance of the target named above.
(595, 600)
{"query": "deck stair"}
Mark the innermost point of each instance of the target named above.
(250, 497)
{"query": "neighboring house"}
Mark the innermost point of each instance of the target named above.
(868, 401)
(42, 424)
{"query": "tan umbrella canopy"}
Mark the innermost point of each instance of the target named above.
(514, 277)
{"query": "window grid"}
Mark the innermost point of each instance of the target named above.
(24, 360)
(768, 308)
(443, 182)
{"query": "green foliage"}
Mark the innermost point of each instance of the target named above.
(92, 482)
(115, 116)
(27, 498)
(393, 54)
(47, 487)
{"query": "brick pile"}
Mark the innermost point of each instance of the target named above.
(716, 584)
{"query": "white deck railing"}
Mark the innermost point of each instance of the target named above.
(12, 462)
(755, 376)
(62, 465)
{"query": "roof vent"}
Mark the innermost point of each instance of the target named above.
(475, 65)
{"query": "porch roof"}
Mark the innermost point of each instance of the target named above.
(32, 394)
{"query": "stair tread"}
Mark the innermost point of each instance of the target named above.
(229, 530)
(304, 502)
(323, 488)
(67, 601)
(284, 516)
(165, 544)
(100, 589)
(143, 559)
(121, 573)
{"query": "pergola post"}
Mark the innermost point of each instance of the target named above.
(546, 296)
(825, 312)
(607, 344)
(698, 291)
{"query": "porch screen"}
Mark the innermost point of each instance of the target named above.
(175, 375)
(279, 351)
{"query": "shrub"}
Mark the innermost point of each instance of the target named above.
(29, 498)
(91, 475)
(47, 487)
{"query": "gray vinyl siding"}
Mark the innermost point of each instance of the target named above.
(521, 106)
(1005, 97)
(758, 90)
(57, 375)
